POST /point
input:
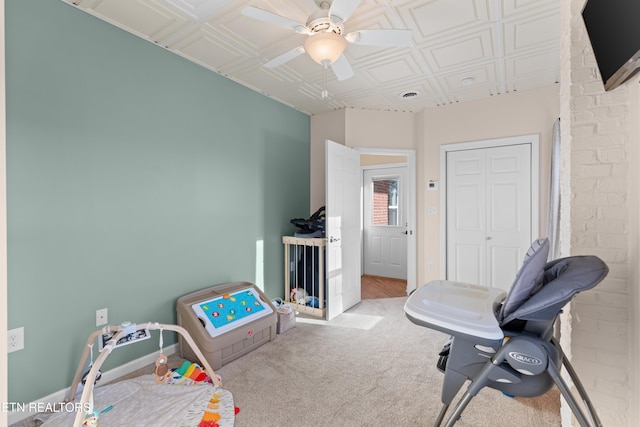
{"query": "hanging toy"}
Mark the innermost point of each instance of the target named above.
(86, 374)
(162, 369)
(90, 419)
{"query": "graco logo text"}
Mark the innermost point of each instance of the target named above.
(525, 358)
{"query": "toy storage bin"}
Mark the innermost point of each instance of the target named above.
(237, 338)
(304, 269)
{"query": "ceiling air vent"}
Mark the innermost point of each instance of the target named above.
(409, 94)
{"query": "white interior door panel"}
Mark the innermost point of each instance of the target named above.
(343, 228)
(489, 220)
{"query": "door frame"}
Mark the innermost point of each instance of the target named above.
(405, 186)
(411, 206)
(533, 140)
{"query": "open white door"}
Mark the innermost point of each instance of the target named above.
(342, 228)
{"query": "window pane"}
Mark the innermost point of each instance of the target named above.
(385, 202)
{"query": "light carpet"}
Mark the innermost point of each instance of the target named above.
(370, 366)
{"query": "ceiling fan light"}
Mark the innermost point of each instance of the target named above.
(325, 47)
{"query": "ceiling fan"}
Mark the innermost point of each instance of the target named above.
(326, 40)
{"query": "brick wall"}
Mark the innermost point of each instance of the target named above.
(595, 134)
(380, 202)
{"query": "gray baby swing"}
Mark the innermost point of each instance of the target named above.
(507, 343)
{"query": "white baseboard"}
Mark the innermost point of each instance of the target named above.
(115, 373)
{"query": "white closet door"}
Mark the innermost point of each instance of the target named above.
(466, 216)
(488, 213)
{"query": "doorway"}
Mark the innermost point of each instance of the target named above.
(384, 225)
(389, 244)
(490, 208)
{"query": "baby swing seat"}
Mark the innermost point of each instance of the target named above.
(507, 343)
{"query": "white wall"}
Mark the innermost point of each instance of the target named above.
(380, 129)
(325, 126)
(3, 229)
(600, 182)
(518, 113)
(634, 253)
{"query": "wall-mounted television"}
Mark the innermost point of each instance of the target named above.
(614, 33)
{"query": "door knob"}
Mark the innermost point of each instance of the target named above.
(333, 239)
(488, 237)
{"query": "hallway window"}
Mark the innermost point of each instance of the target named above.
(385, 202)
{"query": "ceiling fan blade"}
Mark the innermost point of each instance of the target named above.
(272, 18)
(285, 57)
(342, 69)
(380, 37)
(341, 10)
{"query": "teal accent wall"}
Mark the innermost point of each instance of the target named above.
(134, 177)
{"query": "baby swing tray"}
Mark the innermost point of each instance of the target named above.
(145, 400)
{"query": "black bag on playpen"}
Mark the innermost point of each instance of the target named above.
(312, 227)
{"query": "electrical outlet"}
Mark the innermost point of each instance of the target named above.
(101, 317)
(15, 339)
